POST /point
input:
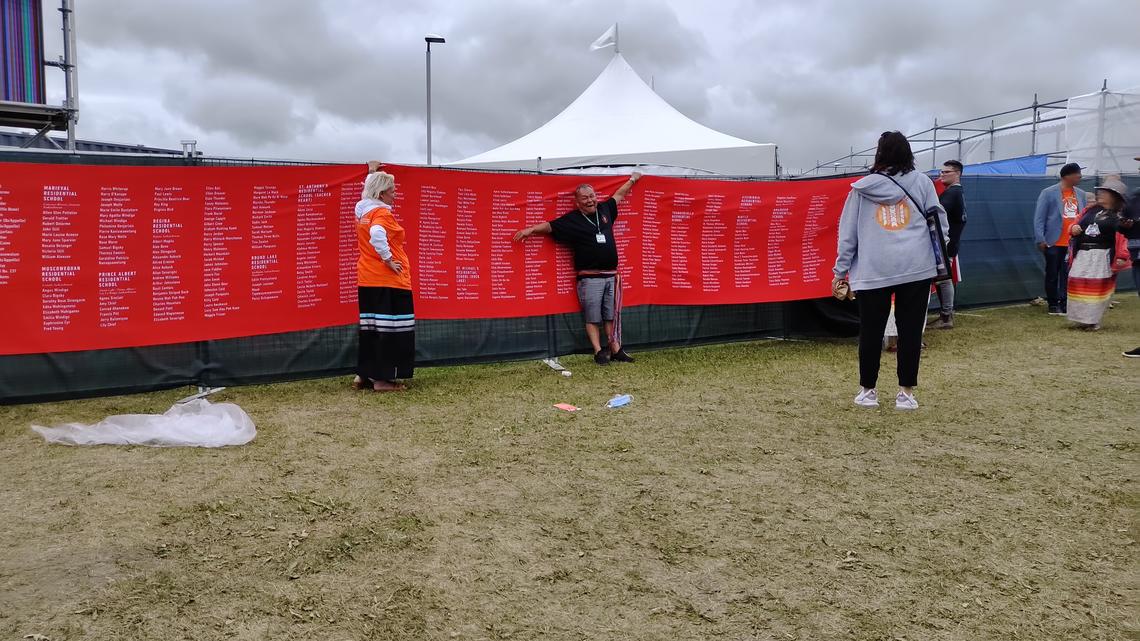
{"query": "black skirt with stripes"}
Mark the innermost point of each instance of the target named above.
(387, 334)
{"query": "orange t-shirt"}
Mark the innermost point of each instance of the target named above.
(1069, 209)
(371, 271)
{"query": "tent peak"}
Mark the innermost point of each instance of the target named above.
(620, 116)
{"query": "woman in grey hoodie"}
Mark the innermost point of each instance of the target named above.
(885, 250)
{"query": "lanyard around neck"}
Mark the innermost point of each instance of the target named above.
(596, 220)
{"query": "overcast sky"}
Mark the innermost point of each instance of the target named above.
(344, 79)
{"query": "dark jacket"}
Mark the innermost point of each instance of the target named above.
(1111, 226)
(1132, 210)
(954, 203)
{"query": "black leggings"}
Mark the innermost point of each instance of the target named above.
(911, 301)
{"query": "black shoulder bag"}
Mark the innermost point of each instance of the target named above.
(937, 236)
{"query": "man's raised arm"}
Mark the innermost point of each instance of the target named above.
(628, 185)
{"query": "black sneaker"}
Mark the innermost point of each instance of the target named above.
(1132, 353)
(602, 357)
(621, 356)
(1055, 311)
(944, 322)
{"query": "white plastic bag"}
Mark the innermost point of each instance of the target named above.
(195, 424)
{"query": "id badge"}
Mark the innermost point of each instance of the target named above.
(601, 238)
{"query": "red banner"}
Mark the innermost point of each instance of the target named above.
(95, 257)
(681, 241)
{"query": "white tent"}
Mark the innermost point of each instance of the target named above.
(619, 120)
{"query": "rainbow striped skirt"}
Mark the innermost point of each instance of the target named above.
(1091, 284)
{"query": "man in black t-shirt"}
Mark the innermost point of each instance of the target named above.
(589, 232)
(1131, 231)
(954, 203)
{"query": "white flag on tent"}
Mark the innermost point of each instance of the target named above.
(608, 38)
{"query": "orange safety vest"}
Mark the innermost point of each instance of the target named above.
(371, 271)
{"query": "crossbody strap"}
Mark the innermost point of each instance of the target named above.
(891, 178)
(937, 236)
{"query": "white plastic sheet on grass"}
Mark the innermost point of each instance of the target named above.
(195, 424)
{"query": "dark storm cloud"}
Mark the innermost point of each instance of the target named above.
(507, 66)
(246, 109)
(828, 75)
(314, 79)
(507, 77)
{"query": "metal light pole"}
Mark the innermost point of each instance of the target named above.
(438, 39)
(68, 65)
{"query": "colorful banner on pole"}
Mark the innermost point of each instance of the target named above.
(22, 51)
(95, 257)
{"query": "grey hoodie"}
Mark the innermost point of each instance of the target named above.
(883, 239)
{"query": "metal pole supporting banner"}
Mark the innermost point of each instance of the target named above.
(991, 140)
(1033, 133)
(934, 146)
(429, 103)
(70, 71)
(1100, 128)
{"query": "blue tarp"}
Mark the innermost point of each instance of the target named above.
(1023, 166)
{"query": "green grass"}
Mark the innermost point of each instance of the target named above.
(740, 496)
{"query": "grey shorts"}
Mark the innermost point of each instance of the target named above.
(596, 296)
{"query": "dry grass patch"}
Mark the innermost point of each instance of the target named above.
(740, 496)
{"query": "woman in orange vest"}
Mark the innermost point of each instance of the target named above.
(384, 278)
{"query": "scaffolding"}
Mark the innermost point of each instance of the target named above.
(43, 117)
(1054, 128)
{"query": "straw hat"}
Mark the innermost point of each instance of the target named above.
(1115, 185)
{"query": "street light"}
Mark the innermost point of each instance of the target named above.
(438, 39)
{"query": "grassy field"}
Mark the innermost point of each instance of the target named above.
(740, 496)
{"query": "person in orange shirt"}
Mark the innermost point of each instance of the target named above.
(387, 350)
(1057, 209)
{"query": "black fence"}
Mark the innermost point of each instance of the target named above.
(1000, 265)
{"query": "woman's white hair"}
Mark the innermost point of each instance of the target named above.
(377, 184)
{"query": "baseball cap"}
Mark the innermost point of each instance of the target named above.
(1071, 168)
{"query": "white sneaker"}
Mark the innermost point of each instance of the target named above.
(906, 401)
(867, 398)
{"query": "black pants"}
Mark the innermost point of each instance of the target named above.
(1057, 276)
(387, 348)
(911, 300)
